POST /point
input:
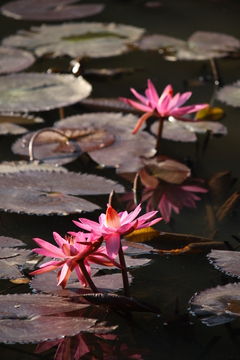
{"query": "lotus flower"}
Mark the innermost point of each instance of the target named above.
(164, 106)
(75, 253)
(113, 225)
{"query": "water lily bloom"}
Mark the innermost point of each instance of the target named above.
(164, 106)
(113, 225)
(74, 253)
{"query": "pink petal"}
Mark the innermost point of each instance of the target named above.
(194, 188)
(140, 97)
(142, 119)
(136, 105)
(51, 250)
(153, 95)
(113, 244)
(168, 90)
(52, 265)
(165, 208)
(188, 109)
(183, 98)
(66, 272)
(112, 218)
(163, 108)
(80, 276)
(88, 225)
(132, 215)
(59, 240)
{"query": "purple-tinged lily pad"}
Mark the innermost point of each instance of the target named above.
(49, 10)
(11, 261)
(210, 305)
(185, 131)
(47, 192)
(26, 92)
(226, 261)
(28, 318)
(47, 283)
(230, 94)
(50, 145)
(77, 39)
(127, 147)
(13, 60)
(213, 41)
(8, 242)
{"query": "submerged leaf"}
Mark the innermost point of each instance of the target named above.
(27, 318)
(13, 60)
(25, 92)
(77, 39)
(210, 305)
(226, 261)
(49, 10)
(48, 192)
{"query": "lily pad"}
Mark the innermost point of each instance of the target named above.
(6, 241)
(19, 119)
(226, 261)
(77, 39)
(50, 145)
(26, 92)
(230, 94)
(47, 283)
(126, 146)
(27, 318)
(13, 60)
(11, 261)
(49, 10)
(47, 192)
(212, 303)
(8, 128)
(184, 131)
(16, 166)
(202, 45)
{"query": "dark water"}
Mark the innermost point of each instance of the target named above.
(168, 277)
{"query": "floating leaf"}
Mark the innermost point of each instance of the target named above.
(51, 146)
(77, 39)
(47, 283)
(20, 119)
(226, 261)
(48, 192)
(29, 318)
(166, 169)
(49, 10)
(126, 146)
(16, 166)
(212, 303)
(25, 92)
(213, 41)
(11, 260)
(185, 130)
(6, 241)
(8, 128)
(108, 104)
(230, 94)
(201, 45)
(13, 60)
(233, 307)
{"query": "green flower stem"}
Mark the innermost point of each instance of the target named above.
(87, 277)
(124, 272)
(159, 135)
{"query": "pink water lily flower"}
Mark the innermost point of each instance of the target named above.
(74, 253)
(164, 106)
(113, 225)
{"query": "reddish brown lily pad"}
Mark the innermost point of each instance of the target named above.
(26, 92)
(11, 260)
(13, 60)
(6, 241)
(46, 192)
(27, 318)
(49, 10)
(51, 146)
(126, 148)
(210, 305)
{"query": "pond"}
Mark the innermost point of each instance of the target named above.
(171, 278)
